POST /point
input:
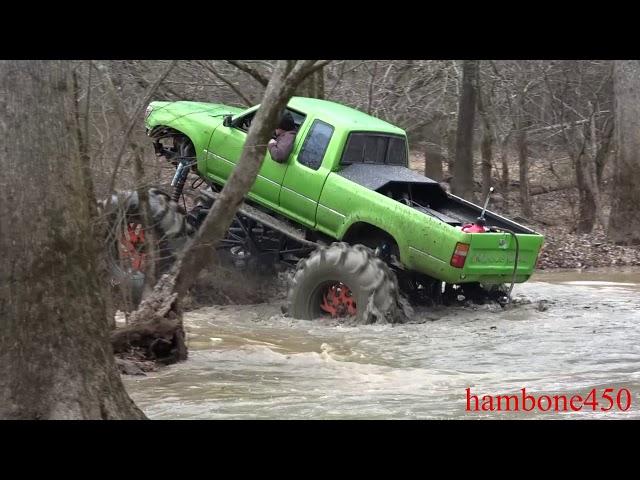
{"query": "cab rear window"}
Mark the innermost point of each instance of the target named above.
(382, 149)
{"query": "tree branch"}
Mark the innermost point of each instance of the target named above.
(258, 76)
(235, 89)
(102, 68)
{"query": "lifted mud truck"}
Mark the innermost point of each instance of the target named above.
(345, 209)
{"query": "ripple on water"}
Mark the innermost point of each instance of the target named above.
(251, 362)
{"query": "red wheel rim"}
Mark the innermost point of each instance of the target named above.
(132, 247)
(338, 301)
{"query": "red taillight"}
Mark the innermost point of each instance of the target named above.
(459, 255)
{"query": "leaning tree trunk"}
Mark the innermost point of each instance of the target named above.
(56, 361)
(624, 223)
(198, 253)
(462, 182)
(161, 309)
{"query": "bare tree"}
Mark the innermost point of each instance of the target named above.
(313, 85)
(260, 77)
(519, 82)
(488, 135)
(138, 164)
(245, 98)
(462, 183)
(579, 97)
(624, 224)
(522, 123)
(431, 138)
(56, 361)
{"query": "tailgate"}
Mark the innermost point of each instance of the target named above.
(491, 256)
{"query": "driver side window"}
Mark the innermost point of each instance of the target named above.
(245, 122)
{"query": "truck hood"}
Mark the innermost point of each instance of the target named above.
(374, 177)
(184, 108)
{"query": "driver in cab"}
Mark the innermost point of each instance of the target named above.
(280, 147)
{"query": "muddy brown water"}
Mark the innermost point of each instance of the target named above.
(569, 332)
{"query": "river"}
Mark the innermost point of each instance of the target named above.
(566, 334)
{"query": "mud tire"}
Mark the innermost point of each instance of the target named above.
(372, 282)
(482, 294)
(171, 230)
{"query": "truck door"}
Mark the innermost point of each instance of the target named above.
(306, 174)
(225, 148)
(223, 152)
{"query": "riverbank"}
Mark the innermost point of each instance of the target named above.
(587, 251)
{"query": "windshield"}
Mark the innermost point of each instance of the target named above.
(378, 148)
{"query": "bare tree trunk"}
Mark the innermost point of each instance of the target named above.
(624, 223)
(504, 159)
(587, 205)
(56, 361)
(486, 150)
(434, 155)
(462, 182)
(586, 171)
(603, 151)
(450, 140)
(433, 160)
(312, 86)
(449, 132)
(523, 158)
(486, 146)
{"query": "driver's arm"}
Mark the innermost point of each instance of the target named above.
(281, 148)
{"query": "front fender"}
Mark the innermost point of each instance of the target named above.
(197, 121)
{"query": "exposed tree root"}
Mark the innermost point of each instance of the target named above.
(156, 331)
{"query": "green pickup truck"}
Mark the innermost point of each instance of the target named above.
(361, 226)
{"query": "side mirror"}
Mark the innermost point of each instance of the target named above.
(226, 121)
